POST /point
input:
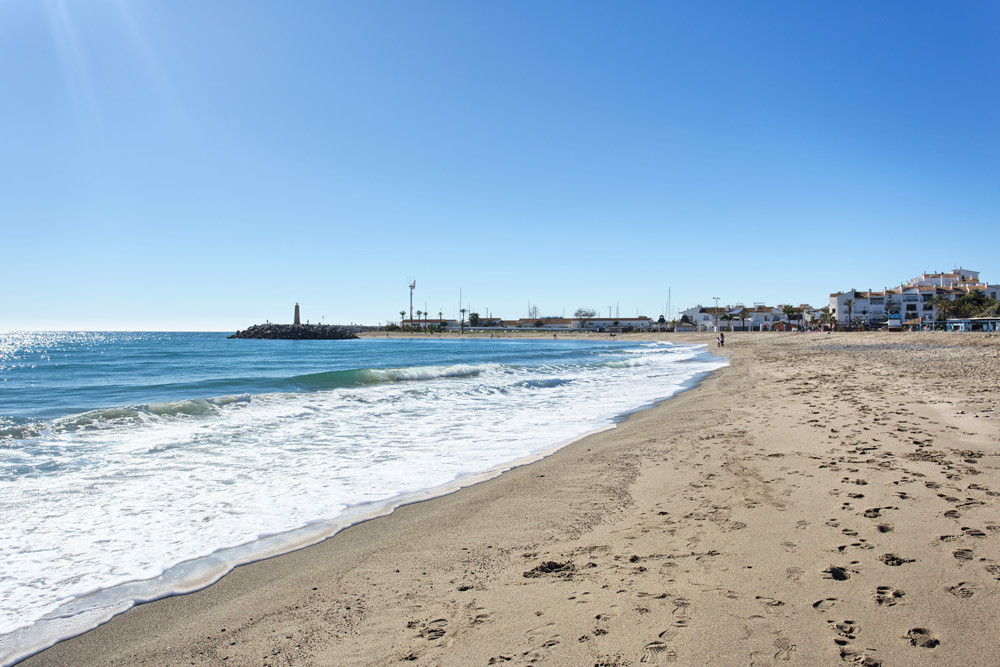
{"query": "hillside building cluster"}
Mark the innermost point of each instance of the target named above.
(911, 303)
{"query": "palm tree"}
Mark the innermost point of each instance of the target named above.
(824, 315)
(850, 304)
(726, 317)
(402, 316)
(789, 311)
(462, 323)
(743, 318)
(419, 313)
(943, 307)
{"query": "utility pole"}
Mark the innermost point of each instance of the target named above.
(716, 313)
(413, 286)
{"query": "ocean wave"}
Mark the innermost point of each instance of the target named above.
(14, 430)
(360, 377)
(545, 383)
(114, 417)
(132, 414)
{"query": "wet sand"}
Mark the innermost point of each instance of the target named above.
(824, 499)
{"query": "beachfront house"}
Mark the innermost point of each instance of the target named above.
(546, 323)
(758, 318)
(701, 317)
(911, 303)
(613, 324)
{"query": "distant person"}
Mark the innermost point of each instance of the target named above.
(722, 339)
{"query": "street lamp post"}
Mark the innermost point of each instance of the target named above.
(716, 313)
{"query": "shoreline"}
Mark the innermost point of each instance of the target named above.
(88, 612)
(823, 498)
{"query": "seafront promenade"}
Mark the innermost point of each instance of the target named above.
(826, 498)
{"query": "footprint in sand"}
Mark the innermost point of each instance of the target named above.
(962, 589)
(673, 631)
(794, 573)
(892, 560)
(963, 554)
(658, 653)
(858, 658)
(824, 604)
(991, 567)
(887, 596)
(847, 630)
(785, 649)
(769, 602)
(922, 637)
(837, 573)
(434, 630)
(681, 606)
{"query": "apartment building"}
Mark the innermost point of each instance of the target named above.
(911, 302)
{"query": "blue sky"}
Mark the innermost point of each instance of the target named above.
(190, 165)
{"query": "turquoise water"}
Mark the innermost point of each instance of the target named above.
(135, 465)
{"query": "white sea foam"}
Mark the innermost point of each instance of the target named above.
(152, 488)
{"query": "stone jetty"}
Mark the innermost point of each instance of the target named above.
(298, 332)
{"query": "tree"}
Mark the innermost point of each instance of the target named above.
(726, 317)
(942, 307)
(850, 304)
(743, 314)
(474, 320)
(824, 315)
(971, 304)
(419, 313)
(584, 313)
(890, 307)
(462, 323)
(402, 317)
(539, 323)
(717, 313)
(789, 312)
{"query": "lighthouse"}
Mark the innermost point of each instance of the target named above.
(297, 321)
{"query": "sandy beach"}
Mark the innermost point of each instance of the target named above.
(825, 499)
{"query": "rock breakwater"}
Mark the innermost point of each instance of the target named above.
(298, 332)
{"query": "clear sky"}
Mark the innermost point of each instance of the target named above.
(185, 165)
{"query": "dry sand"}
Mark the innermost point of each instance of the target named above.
(824, 499)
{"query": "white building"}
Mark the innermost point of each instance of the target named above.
(613, 324)
(757, 318)
(909, 303)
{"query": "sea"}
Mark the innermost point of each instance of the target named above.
(135, 466)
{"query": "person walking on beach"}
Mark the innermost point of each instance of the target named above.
(722, 339)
